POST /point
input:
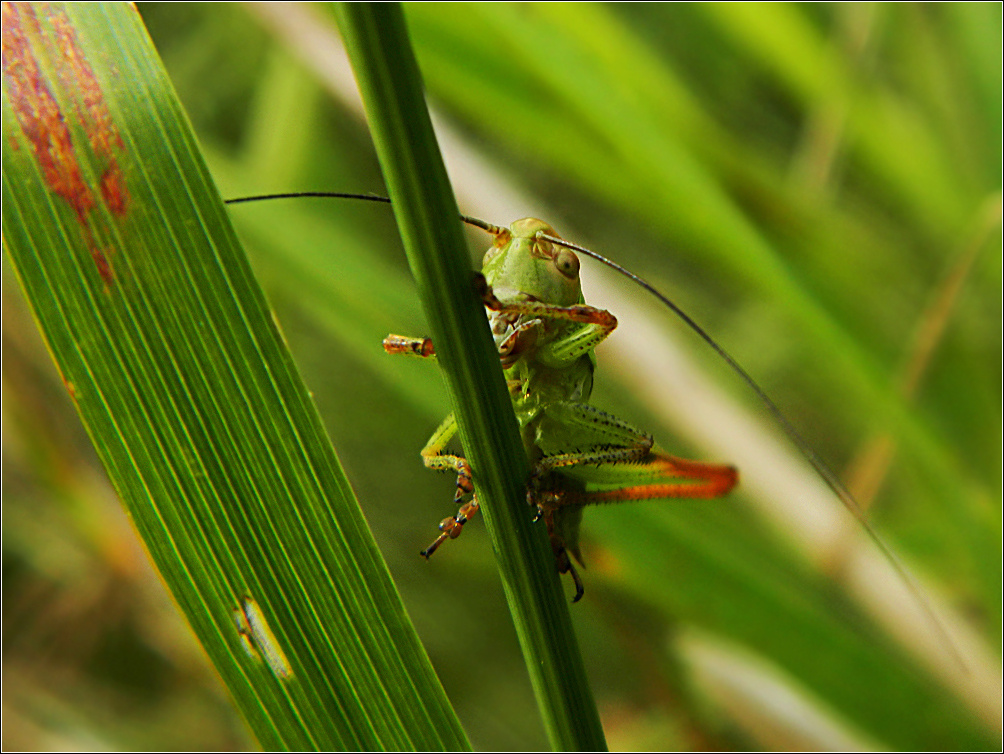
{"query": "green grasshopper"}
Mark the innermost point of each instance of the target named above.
(545, 335)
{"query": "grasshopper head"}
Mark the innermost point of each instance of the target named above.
(520, 264)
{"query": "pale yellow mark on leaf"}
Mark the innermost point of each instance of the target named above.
(258, 640)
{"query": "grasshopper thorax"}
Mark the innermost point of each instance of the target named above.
(521, 265)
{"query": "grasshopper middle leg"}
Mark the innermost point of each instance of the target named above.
(434, 457)
(434, 454)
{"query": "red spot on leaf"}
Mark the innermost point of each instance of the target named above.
(38, 112)
(46, 126)
(77, 76)
(104, 265)
(113, 190)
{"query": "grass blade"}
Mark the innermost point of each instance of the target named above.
(171, 355)
(427, 215)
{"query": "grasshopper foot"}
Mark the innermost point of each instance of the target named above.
(451, 527)
(564, 564)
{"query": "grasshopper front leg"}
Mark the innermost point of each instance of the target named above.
(402, 344)
(594, 326)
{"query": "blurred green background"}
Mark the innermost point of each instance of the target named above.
(818, 185)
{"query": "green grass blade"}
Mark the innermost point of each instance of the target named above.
(171, 355)
(427, 215)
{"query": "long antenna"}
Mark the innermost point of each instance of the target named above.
(473, 221)
(817, 463)
(308, 194)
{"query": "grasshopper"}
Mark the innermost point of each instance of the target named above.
(545, 334)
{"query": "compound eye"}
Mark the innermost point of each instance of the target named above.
(567, 263)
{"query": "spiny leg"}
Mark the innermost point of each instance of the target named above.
(676, 478)
(560, 500)
(698, 480)
(622, 455)
(601, 438)
(597, 323)
(434, 457)
(609, 452)
(451, 526)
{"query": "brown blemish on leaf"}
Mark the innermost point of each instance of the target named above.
(38, 112)
(113, 190)
(104, 265)
(77, 76)
(45, 124)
